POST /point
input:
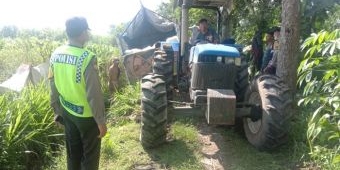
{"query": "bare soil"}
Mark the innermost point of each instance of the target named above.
(215, 154)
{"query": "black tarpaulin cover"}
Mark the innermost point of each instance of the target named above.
(146, 29)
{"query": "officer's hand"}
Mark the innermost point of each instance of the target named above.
(102, 130)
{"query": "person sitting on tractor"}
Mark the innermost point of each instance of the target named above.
(268, 54)
(206, 34)
(271, 67)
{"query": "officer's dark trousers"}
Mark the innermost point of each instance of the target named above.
(82, 143)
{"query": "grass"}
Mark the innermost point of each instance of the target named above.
(121, 149)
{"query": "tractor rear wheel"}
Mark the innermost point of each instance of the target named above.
(275, 98)
(162, 65)
(154, 111)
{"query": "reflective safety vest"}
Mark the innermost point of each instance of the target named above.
(68, 64)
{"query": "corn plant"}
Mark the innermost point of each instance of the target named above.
(104, 54)
(31, 50)
(319, 74)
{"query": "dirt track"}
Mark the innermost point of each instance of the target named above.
(216, 157)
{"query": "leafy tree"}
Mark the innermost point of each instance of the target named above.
(169, 10)
(333, 20)
(249, 16)
(9, 31)
(116, 30)
(172, 12)
(319, 74)
(44, 34)
(314, 13)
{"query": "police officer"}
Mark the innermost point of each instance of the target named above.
(76, 97)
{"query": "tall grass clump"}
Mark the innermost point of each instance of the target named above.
(28, 137)
(125, 103)
(319, 74)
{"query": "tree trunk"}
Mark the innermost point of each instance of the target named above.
(289, 43)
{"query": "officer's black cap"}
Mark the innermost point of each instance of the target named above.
(75, 26)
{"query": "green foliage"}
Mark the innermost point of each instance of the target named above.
(249, 16)
(195, 14)
(121, 149)
(168, 10)
(314, 13)
(125, 103)
(104, 53)
(14, 52)
(44, 34)
(115, 31)
(319, 73)
(28, 137)
(9, 31)
(333, 20)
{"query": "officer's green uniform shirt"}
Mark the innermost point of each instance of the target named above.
(75, 83)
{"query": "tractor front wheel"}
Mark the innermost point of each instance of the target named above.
(154, 111)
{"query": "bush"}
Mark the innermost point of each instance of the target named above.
(28, 137)
(319, 74)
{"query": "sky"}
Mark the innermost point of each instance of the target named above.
(100, 14)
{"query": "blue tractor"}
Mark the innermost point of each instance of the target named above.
(211, 80)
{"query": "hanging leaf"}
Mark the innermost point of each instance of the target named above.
(331, 51)
(307, 43)
(336, 159)
(328, 74)
(309, 77)
(316, 112)
(315, 38)
(310, 130)
(322, 36)
(326, 48)
(338, 44)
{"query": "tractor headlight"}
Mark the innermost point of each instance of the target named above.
(229, 60)
(238, 61)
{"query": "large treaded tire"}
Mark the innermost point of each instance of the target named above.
(154, 111)
(163, 65)
(241, 82)
(275, 99)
